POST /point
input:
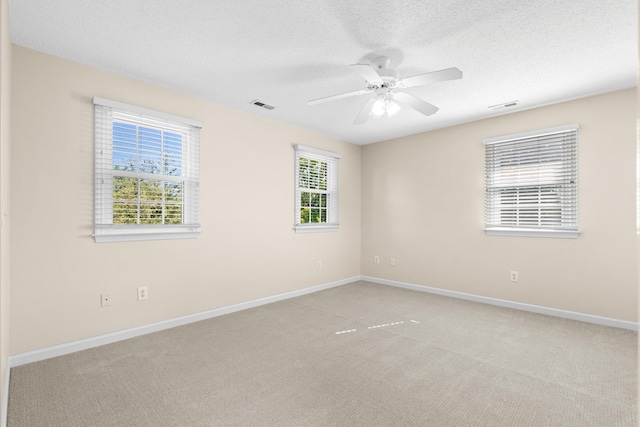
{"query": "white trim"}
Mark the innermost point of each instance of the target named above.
(315, 228)
(145, 111)
(505, 231)
(540, 132)
(105, 174)
(331, 192)
(72, 347)
(5, 396)
(317, 151)
(582, 317)
(558, 166)
(111, 233)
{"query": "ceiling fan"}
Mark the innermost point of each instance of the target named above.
(386, 87)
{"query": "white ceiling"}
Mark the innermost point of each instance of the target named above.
(286, 52)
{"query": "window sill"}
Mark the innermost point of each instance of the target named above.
(524, 232)
(315, 228)
(110, 233)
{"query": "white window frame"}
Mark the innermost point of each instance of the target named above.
(331, 192)
(106, 111)
(540, 167)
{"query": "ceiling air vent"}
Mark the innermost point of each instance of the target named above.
(262, 104)
(504, 105)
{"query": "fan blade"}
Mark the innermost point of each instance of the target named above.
(433, 77)
(367, 72)
(416, 103)
(336, 97)
(364, 113)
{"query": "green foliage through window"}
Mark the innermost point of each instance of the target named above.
(139, 154)
(312, 181)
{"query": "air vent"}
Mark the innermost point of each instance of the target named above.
(504, 105)
(262, 104)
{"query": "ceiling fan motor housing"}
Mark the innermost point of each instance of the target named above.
(389, 80)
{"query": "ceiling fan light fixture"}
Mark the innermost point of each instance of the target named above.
(379, 108)
(384, 104)
(392, 107)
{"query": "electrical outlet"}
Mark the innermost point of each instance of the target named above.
(514, 276)
(105, 300)
(392, 262)
(319, 265)
(376, 259)
(143, 293)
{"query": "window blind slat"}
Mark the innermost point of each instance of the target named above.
(531, 181)
(146, 173)
(316, 189)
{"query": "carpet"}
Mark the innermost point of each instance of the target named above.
(361, 354)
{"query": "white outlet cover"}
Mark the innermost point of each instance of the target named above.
(105, 300)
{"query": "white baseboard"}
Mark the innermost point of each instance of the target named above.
(72, 347)
(589, 318)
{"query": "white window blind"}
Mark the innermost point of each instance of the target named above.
(532, 183)
(146, 174)
(316, 190)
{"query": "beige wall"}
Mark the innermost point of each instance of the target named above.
(247, 249)
(5, 89)
(423, 201)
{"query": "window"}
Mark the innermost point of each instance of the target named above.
(531, 183)
(316, 189)
(146, 174)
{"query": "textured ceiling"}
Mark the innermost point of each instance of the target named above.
(287, 52)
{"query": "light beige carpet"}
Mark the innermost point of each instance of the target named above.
(358, 355)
